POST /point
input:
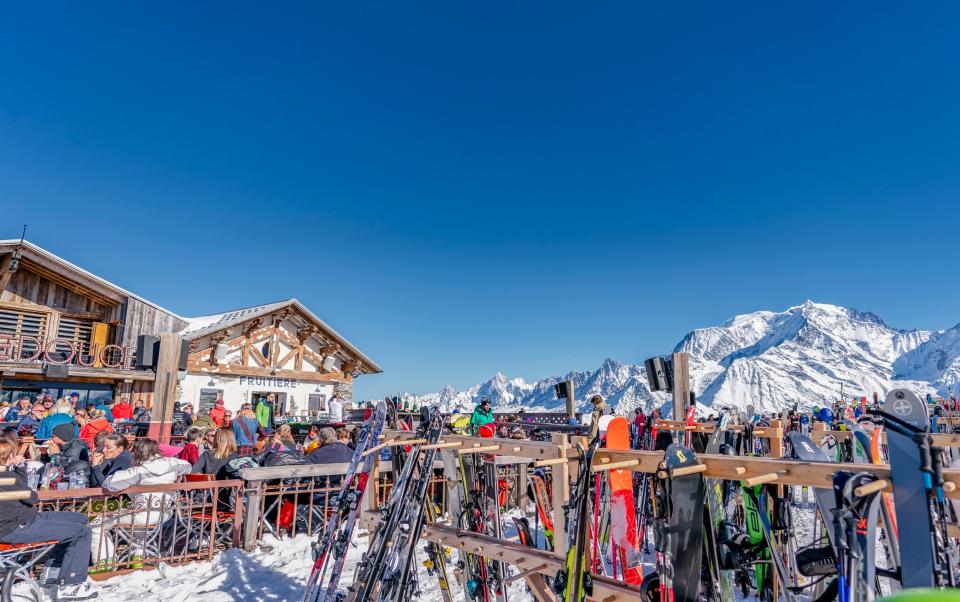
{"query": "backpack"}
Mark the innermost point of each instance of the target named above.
(233, 468)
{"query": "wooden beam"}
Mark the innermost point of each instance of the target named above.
(234, 370)
(681, 384)
(5, 273)
(523, 557)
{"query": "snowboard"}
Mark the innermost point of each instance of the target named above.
(910, 490)
(680, 535)
(623, 513)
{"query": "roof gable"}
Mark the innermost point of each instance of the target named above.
(204, 326)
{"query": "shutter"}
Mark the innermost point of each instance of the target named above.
(74, 330)
(19, 323)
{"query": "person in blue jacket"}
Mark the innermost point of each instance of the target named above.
(29, 424)
(62, 413)
(106, 406)
(19, 411)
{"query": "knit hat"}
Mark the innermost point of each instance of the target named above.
(66, 432)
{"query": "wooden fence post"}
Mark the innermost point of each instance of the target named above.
(817, 431)
(561, 494)
(776, 438)
(251, 522)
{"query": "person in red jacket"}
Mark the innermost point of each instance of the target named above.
(89, 427)
(122, 410)
(190, 451)
(216, 413)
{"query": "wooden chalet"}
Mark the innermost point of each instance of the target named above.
(64, 330)
(280, 348)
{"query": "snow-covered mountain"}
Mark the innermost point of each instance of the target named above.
(772, 360)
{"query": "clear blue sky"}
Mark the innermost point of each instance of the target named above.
(524, 187)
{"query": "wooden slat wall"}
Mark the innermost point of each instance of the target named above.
(27, 287)
(147, 319)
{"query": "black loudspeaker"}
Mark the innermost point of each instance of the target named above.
(56, 371)
(184, 352)
(658, 374)
(148, 349)
(562, 390)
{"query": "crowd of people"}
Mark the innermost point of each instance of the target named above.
(51, 444)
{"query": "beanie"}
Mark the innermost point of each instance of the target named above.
(65, 432)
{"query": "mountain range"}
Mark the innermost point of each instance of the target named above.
(807, 355)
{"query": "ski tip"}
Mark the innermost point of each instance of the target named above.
(633, 575)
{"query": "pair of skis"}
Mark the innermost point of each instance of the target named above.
(384, 573)
(330, 549)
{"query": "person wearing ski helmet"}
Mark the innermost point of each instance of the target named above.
(826, 415)
(482, 414)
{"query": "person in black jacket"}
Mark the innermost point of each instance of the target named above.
(215, 459)
(114, 456)
(332, 451)
(21, 523)
(68, 452)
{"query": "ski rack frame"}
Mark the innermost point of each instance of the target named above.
(561, 456)
(819, 431)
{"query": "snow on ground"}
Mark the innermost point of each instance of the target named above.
(276, 571)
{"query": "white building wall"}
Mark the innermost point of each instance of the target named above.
(240, 389)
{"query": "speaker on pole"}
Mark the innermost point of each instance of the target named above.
(148, 350)
(184, 352)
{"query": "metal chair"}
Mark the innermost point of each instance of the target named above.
(16, 564)
(143, 540)
(209, 511)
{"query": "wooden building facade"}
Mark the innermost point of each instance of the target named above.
(64, 330)
(279, 348)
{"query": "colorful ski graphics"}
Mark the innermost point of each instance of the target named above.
(623, 514)
(335, 538)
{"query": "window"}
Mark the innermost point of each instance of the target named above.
(18, 323)
(317, 402)
(208, 398)
(75, 330)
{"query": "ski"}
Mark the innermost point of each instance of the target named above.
(537, 489)
(723, 585)
(339, 529)
(574, 582)
(856, 526)
(392, 514)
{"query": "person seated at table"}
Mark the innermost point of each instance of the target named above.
(68, 455)
(149, 468)
(62, 413)
(122, 410)
(30, 423)
(140, 411)
(282, 439)
(113, 457)
(19, 411)
(89, 427)
(21, 523)
(190, 452)
(332, 451)
(214, 460)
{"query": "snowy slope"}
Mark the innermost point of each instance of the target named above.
(806, 354)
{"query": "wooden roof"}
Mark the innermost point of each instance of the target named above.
(207, 325)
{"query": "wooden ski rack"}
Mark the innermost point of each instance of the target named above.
(561, 455)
